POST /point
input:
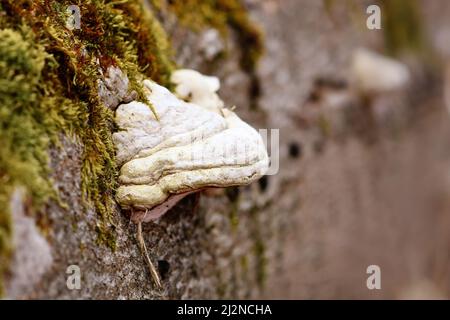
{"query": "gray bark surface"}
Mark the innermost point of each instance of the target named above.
(352, 190)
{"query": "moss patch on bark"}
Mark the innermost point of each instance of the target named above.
(48, 85)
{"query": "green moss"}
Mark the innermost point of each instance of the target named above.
(402, 26)
(48, 85)
(223, 15)
(244, 264)
(28, 123)
(221, 286)
(233, 196)
(258, 249)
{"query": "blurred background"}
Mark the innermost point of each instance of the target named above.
(360, 98)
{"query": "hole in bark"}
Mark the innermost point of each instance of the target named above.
(163, 268)
(295, 150)
(263, 183)
(314, 96)
(232, 193)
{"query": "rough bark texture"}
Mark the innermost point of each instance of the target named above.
(352, 190)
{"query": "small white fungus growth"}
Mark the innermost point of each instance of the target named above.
(192, 86)
(373, 73)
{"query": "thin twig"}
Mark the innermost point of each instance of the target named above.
(144, 251)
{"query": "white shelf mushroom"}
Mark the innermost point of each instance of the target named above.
(189, 147)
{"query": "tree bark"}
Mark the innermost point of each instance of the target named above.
(354, 188)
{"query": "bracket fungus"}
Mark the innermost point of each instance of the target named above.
(190, 145)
